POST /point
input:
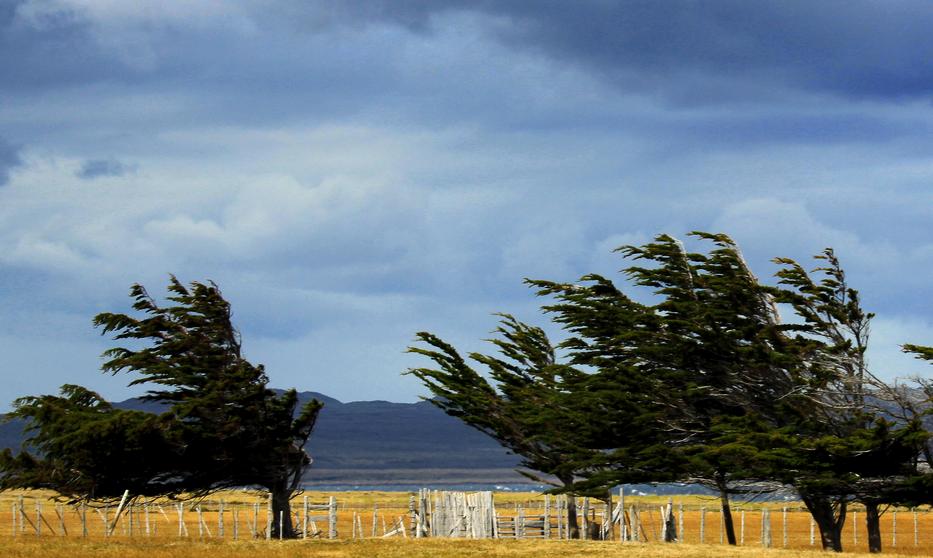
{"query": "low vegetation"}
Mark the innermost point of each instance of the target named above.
(448, 548)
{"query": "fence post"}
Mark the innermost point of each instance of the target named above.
(742, 529)
(702, 525)
(812, 532)
(220, 519)
(636, 527)
(722, 526)
(854, 527)
(681, 535)
(784, 527)
(304, 521)
(236, 523)
(22, 515)
(269, 518)
(664, 523)
(893, 528)
(916, 531)
(558, 513)
(766, 527)
(332, 518)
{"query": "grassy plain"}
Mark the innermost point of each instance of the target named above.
(376, 509)
(374, 548)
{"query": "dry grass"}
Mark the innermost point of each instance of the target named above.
(164, 540)
(395, 548)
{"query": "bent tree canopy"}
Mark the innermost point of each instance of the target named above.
(222, 426)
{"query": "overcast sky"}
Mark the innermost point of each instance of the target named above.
(353, 172)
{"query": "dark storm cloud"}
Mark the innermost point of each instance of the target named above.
(55, 50)
(687, 51)
(96, 168)
(325, 62)
(852, 48)
(9, 159)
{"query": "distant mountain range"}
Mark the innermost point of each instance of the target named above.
(381, 443)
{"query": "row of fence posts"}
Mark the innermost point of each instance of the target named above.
(431, 514)
(132, 524)
(456, 514)
(630, 530)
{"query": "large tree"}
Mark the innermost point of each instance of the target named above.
(222, 426)
(703, 357)
(524, 407)
(853, 445)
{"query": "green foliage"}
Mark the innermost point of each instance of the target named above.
(88, 449)
(703, 383)
(925, 353)
(708, 352)
(234, 430)
(222, 426)
(524, 407)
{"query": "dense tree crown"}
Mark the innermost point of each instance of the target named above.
(221, 426)
(706, 383)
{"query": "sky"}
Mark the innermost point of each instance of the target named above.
(350, 173)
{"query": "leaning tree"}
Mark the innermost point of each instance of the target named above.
(222, 426)
(702, 363)
(526, 406)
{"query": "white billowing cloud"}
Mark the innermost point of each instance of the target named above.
(792, 230)
(33, 251)
(763, 220)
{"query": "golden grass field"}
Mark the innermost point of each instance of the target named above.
(163, 538)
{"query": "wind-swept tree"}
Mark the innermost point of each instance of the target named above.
(222, 426)
(524, 407)
(854, 446)
(705, 357)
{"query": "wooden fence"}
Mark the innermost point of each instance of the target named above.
(237, 520)
(457, 514)
(460, 515)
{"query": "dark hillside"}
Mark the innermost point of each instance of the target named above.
(380, 442)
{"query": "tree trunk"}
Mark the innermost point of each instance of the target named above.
(873, 525)
(727, 522)
(573, 527)
(827, 518)
(282, 512)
